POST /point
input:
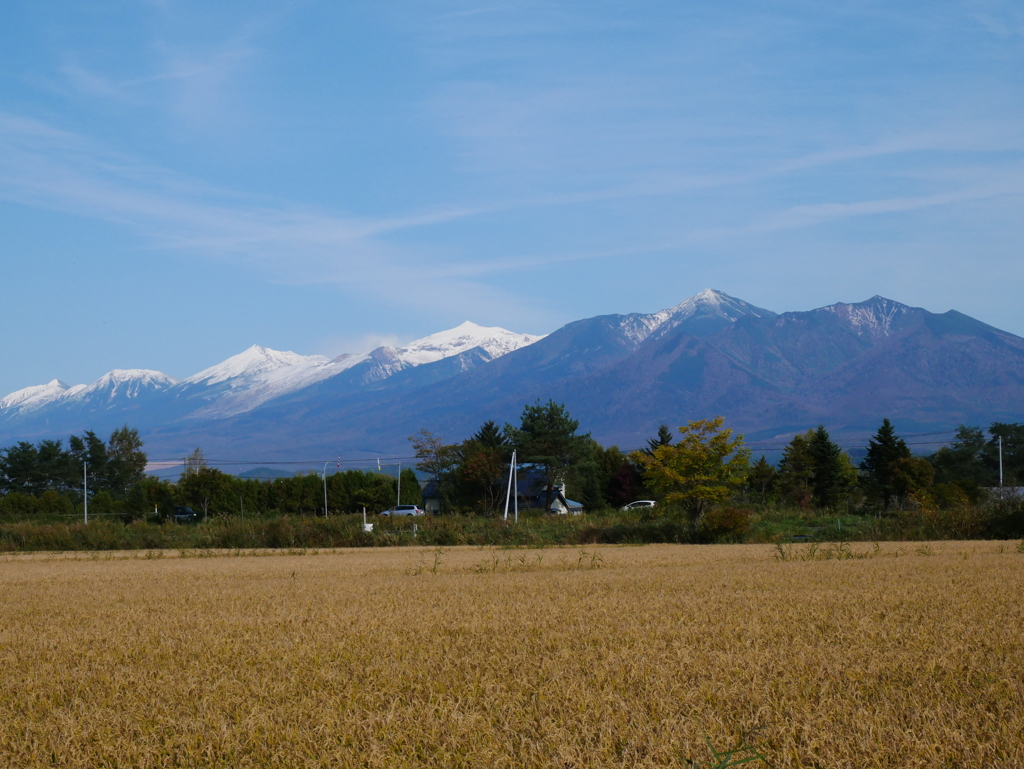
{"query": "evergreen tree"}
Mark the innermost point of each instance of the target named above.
(412, 492)
(830, 476)
(796, 470)
(964, 461)
(1013, 452)
(761, 478)
(114, 467)
(490, 436)
(19, 469)
(546, 438)
(619, 479)
(664, 438)
(126, 461)
(90, 449)
(884, 450)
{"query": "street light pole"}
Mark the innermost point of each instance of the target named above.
(388, 464)
(1000, 461)
(325, 488)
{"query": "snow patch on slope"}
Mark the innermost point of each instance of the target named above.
(704, 311)
(875, 318)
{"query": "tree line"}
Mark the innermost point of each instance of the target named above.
(702, 466)
(707, 465)
(47, 479)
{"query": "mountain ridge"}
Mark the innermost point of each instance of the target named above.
(845, 365)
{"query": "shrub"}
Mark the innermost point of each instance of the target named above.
(727, 523)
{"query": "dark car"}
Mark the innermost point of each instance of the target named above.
(184, 515)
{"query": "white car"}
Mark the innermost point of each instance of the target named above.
(404, 510)
(639, 504)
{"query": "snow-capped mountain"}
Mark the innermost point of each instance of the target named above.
(35, 397)
(121, 384)
(845, 365)
(253, 377)
(250, 378)
(492, 340)
(706, 313)
(876, 318)
(254, 363)
(257, 375)
(700, 315)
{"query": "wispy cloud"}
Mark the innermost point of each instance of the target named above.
(49, 168)
(44, 166)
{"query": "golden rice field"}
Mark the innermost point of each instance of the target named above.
(612, 656)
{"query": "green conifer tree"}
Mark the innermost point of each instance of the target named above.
(796, 470)
(664, 438)
(830, 471)
(884, 450)
(490, 436)
(761, 478)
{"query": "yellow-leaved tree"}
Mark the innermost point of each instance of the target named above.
(701, 469)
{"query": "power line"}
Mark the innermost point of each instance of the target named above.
(365, 460)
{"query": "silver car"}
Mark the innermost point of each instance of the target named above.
(404, 510)
(639, 504)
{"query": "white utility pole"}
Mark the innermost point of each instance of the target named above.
(85, 485)
(512, 477)
(1000, 461)
(325, 481)
(389, 464)
(325, 488)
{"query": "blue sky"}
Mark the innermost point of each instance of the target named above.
(180, 180)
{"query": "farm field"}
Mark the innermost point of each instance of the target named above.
(907, 654)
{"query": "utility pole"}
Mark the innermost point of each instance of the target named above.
(513, 476)
(1000, 461)
(325, 483)
(85, 485)
(388, 464)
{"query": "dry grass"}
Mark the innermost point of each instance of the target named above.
(538, 658)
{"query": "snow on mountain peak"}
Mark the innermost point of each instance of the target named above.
(703, 313)
(34, 397)
(124, 382)
(712, 302)
(253, 363)
(494, 340)
(875, 318)
(255, 376)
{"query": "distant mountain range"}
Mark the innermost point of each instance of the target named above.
(845, 365)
